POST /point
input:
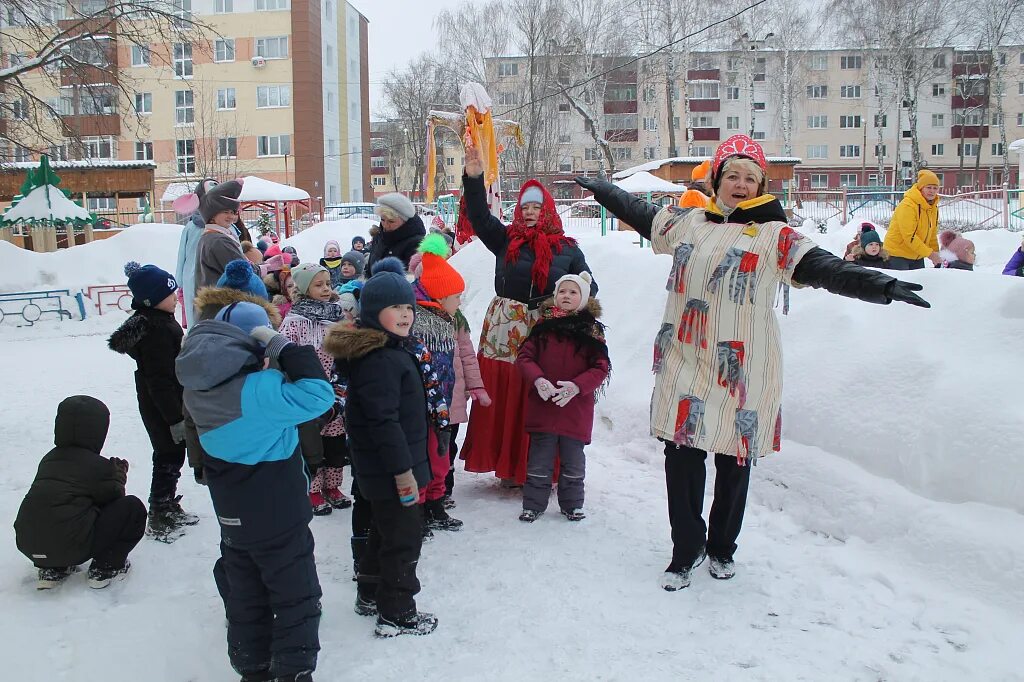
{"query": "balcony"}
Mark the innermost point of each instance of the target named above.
(91, 125)
(620, 107)
(969, 132)
(705, 134)
(970, 69)
(703, 75)
(972, 102)
(379, 170)
(701, 105)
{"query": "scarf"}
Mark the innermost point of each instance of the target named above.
(437, 408)
(545, 239)
(317, 311)
(581, 328)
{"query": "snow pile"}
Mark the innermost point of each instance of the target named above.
(99, 262)
(310, 242)
(257, 189)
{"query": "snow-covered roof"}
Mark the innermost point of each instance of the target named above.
(81, 163)
(692, 160)
(257, 189)
(46, 203)
(1017, 146)
(643, 181)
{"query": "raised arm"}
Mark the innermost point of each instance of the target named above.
(632, 210)
(822, 270)
(486, 226)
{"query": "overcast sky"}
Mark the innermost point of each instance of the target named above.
(399, 31)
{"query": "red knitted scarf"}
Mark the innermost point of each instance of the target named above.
(545, 239)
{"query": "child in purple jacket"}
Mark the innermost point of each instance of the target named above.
(1015, 266)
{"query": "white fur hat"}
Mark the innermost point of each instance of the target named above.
(581, 280)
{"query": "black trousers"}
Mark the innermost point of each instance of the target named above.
(362, 521)
(453, 454)
(168, 456)
(272, 600)
(387, 569)
(685, 475)
(119, 527)
(899, 263)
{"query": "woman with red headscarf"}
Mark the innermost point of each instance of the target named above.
(530, 255)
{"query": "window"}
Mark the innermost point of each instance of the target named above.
(938, 89)
(848, 179)
(225, 6)
(226, 98)
(508, 99)
(508, 69)
(328, 55)
(702, 63)
(675, 123)
(817, 121)
(1022, 58)
(620, 121)
(99, 148)
(622, 153)
(881, 120)
(182, 10)
(97, 100)
(64, 106)
(939, 61)
(650, 93)
(185, 155)
(143, 151)
(140, 56)
(184, 107)
(997, 149)
(625, 93)
(272, 48)
(759, 69)
(273, 96)
(968, 118)
(1020, 120)
(563, 108)
(331, 103)
(702, 150)
(379, 180)
(591, 154)
(95, 51)
(997, 120)
(378, 162)
(732, 92)
(270, 5)
(227, 147)
(329, 10)
(100, 204)
(19, 109)
(224, 50)
(758, 135)
(649, 153)
(849, 151)
(819, 180)
(880, 150)
(732, 122)
(849, 121)
(732, 64)
(850, 62)
(704, 90)
(938, 149)
(758, 106)
(650, 123)
(849, 91)
(938, 120)
(183, 62)
(969, 149)
(562, 139)
(273, 145)
(817, 151)
(819, 62)
(817, 91)
(1020, 88)
(702, 121)
(143, 102)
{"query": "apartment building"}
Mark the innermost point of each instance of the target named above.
(280, 90)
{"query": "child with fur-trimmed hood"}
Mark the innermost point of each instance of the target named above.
(867, 249)
(565, 359)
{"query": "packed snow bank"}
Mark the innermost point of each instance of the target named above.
(927, 398)
(310, 242)
(99, 262)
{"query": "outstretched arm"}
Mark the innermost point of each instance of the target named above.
(486, 226)
(820, 269)
(632, 210)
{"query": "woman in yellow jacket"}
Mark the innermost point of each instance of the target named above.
(913, 230)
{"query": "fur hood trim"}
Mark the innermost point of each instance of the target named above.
(346, 341)
(128, 335)
(219, 297)
(593, 307)
(858, 252)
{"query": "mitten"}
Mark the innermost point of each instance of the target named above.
(567, 390)
(178, 431)
(544, 388)
(271, 339)
(408, 492)
(480, 395)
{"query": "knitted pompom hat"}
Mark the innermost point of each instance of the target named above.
(955, 244)
(149, 284)
(868, 235)
(438, 278)
(239, 275)
(583, 281)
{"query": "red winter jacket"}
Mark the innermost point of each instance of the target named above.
(560, 359)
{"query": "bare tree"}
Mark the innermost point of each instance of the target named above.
(999, 19)
(469, 34)
(49, 43)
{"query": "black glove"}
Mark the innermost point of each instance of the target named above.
(899, 290)
(200, 474)
(634, 211)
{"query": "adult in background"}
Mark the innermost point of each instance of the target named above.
(717, 353)
(185, 270)
(401, 230)
(914, 229)
(531, 255)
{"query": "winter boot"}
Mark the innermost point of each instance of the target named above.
(50, 578)
(261, 675)
(428, 534)
(448, 502)
(438, 518)
(337, 499)
(180, 515)
(304, 676)
(530, 515)
(101, 576)
(419, 623)
(510, 484)
(164, 523)
(321, 507)
(675, 579)
(721, 569)
(366, 604)
(358, 547)
(574, 514)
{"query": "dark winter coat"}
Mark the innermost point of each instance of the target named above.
(514, 280)
(386, 408)
(246, 419)
(561, 349)
(152, 338)
(54, 527)
(400, 243)
(860, 257)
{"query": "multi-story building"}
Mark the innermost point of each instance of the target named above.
(280, 90)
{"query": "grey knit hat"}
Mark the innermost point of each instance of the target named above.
(399, 203)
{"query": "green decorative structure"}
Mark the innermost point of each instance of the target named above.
(42, 206)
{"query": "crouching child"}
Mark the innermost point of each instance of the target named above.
(565, 359)
(76, 508)
(247, 418)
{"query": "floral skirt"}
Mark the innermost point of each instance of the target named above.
(496, 439)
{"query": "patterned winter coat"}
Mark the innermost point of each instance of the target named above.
(718, 359)
(307, 324)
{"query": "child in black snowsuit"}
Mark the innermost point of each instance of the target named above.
(246, 417)
(152, 337)
(386, 415)
(76, 508)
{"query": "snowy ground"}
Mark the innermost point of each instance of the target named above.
(893, 555)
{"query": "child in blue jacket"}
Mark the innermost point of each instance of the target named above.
(247, 417)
